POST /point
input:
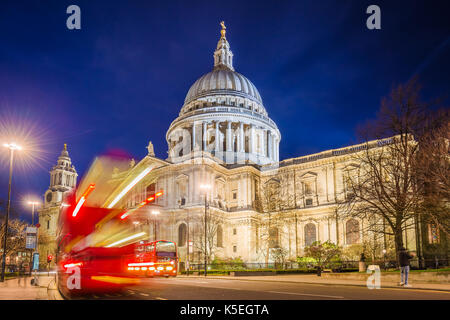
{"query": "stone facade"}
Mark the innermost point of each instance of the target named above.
(224, 138)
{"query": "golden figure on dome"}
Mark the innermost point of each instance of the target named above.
(223, 31)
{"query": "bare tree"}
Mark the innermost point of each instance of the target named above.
(383, 188)
(16, 236)
(433, 171)
(271, 224)
(213, 221)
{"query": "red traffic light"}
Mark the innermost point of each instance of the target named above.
(49, 258)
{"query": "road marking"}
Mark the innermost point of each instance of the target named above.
(159, 298)
(416, 290)
(144, 294)
(307, 294)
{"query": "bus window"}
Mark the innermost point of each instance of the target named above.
(166, 249)
(150, 248)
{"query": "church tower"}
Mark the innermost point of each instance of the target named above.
(63, 177)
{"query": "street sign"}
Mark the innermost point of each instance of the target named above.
(31, 238)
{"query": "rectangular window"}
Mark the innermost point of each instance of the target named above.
(308, 188)
(234, 249)
(234, 195)
(48, 224)
(309, 202)
(234, 231)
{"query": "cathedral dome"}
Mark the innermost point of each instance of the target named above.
(223, 115)
(223, 81)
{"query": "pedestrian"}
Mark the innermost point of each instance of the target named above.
(404, 257)
(20, 273)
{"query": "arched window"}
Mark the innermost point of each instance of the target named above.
(219, 237)
(352, 231)
(310, 234)
(182, 235)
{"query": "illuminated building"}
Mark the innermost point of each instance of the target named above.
(63, 177)
(224, 138)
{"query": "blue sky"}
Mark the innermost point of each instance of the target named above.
(119, 81)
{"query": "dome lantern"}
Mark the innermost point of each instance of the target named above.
(223, 57)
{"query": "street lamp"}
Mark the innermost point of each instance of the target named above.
(33, 204)
(154, 213)
(12, 147)
(205, 187)
(384, 259)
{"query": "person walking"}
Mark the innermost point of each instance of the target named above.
(404, 257)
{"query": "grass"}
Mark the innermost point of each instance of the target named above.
(305, 271)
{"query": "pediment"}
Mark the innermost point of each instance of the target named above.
(272, 180)
(182, 177)
(309, 175)
(350, 166)
(220, 179)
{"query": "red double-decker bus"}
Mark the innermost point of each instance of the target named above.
(155, 258)
(97, 239)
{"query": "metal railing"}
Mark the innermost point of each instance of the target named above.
(335, 266)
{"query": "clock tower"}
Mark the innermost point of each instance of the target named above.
(63, 177)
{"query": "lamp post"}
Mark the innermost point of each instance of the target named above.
(154, 213)
(33, 204)
(205, 187)
(188, 246)
(384, 258)
(12, 147)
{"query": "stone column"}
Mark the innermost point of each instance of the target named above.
(264, 141)
(205, 124)
(276, 150)
(241, 137)
(217, 136)
(252, 139)
(229, 141)
(194, 142)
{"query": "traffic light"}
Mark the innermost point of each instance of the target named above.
(49, 258)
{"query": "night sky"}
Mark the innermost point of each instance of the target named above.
(121, 80)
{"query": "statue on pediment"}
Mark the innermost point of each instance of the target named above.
(151, 151)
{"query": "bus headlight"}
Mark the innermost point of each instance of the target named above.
(160, 268)
(169, 268)
(144, 268)
(152, 268)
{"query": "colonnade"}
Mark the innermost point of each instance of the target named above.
(230, 136)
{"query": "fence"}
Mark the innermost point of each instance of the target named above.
(336, 266)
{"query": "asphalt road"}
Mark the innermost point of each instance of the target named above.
(223, 289)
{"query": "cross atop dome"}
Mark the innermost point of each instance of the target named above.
(223, 57)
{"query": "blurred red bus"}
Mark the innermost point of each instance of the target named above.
(155, 258)
(94, 245)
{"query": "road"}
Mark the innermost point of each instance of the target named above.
(183, 288)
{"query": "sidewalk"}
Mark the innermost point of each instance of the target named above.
(314, 279)
(21, 289)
